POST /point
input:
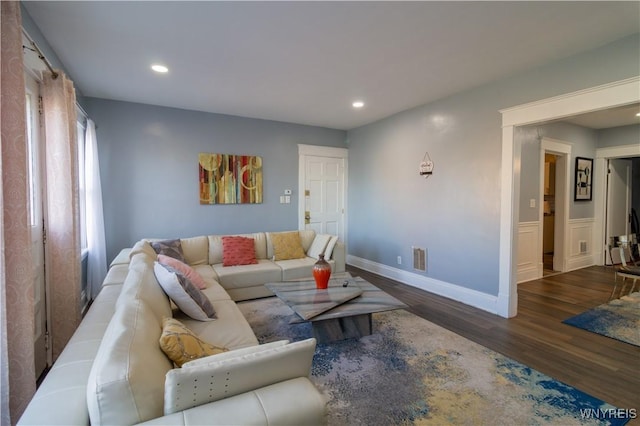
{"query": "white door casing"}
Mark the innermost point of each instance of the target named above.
(322, 189)
(42, 353)
(618, 202)
(603, 155)
(562, 150)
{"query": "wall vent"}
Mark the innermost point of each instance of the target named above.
(419, 259)
(583, 246)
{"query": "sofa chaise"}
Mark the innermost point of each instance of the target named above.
(114, 371)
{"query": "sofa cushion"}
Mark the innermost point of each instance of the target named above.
(286, 245)
(216, 249)
(231, 330)
(116, 274)
(238, 251)
(295, 269)
(126, 383)
(196, 250)
(318, 245)
(306, 238)
(184, 269)
(181, 345)
(215, 291)
(184, 293)
(248, 275)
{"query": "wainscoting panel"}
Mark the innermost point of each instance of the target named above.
(581, 244)
(529, 252)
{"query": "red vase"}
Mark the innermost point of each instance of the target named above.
(322, 273)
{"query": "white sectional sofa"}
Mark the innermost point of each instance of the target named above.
(114, 372)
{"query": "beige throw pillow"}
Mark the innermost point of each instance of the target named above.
(287, 245)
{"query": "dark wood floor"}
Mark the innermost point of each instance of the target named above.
(605, 368)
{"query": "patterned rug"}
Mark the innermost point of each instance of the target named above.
(411, 371)
(618, 319)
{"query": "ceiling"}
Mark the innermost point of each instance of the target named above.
(306, 62)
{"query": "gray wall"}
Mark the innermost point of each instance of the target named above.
(455, 213)
(617, 136)
(149, 170)
(583, 143)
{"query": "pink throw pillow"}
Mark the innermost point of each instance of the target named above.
(184, 269)
(238, 251)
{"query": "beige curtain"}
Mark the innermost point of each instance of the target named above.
(16, 283)
(63, 218)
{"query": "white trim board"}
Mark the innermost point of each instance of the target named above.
(470, 297)
(600, 181)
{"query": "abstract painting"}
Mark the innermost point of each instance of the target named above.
(584, 175)
(230, 179)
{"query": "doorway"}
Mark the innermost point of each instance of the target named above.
(322, 188)
(619, 202)
(549, 213)
(554, 209)
(620, 93)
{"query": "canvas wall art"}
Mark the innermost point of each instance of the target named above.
(230, 179)
(584, 175)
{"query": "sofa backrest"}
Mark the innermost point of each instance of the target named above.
(215, 246)
(195, 250)
(126, 383)
(141, 283)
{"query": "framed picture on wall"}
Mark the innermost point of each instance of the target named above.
(584, 177)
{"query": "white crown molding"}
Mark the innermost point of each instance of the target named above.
(623, 92)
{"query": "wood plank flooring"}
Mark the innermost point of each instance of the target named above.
(605, 368)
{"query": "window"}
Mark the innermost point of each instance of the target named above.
(34, 169)
(82, 192)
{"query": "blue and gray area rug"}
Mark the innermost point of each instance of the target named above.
(411, 371)
(618, 319)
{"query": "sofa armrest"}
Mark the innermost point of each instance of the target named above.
(292, 402)
(211, 381)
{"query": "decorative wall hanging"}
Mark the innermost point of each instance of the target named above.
(426, 166)
(584, 175)
(230, 179)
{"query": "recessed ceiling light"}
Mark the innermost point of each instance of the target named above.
(159, 68)
(357, 104)
(638, 114)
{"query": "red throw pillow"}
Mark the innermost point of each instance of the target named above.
(238, 251)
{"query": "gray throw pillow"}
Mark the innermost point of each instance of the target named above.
(184, 293)
(172, 248)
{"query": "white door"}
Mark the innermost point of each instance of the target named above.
(322, 190)
(618, 201)
(36, 220)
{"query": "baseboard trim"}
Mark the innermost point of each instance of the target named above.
(474, 298)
